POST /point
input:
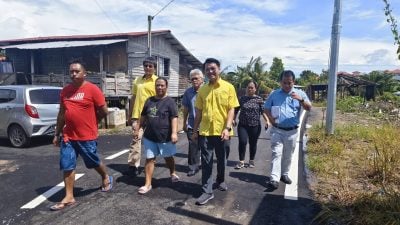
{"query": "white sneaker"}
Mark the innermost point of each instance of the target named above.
(204, 198)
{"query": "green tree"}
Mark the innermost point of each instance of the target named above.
(324, 77)
(308, 77)
(276, 69)
(255, 70)
(384, 81)
(393, 25)
(242, 76)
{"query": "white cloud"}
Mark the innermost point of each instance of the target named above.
(233, 34)
(268, 5)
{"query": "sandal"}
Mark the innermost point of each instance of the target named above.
(61, 205)
(239, 165)
(108, 186)
(143, 189)
(174, 178)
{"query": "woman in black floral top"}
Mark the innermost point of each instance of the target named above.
(249, 127)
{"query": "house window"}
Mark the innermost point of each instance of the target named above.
(7, 95)
(163, 66)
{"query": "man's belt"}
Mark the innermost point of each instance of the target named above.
(286, 128)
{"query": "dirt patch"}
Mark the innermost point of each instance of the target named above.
(7, 166)
(317, 116)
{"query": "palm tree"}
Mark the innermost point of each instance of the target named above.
(384, 81)
(255, 70)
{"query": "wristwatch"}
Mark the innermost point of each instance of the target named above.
(302, 100)
(228, 128)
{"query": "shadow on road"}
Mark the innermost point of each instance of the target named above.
(266, 212)
(199, 216)
(187, 188)
(250, 177)
(35, 142)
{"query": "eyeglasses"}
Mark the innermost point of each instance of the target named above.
(194, 78)
(148, 66)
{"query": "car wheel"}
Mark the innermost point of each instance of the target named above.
(17, 136)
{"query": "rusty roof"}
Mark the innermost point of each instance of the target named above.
(80, 37)
(167, 33)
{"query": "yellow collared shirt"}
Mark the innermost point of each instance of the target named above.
(142, 88)
(215, 100)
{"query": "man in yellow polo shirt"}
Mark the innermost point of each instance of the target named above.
(215, 109)
(143, 87)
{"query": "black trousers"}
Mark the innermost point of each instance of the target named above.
(250, 133)
(194, 150)
(209, 145)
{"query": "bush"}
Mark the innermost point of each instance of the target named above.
(349, 104)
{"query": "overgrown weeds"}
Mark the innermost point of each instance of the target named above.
(358, 173)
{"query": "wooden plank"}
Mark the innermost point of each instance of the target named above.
(115, 85)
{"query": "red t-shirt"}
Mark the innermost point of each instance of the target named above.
(80, 111)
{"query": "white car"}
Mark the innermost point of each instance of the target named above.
(27, 111)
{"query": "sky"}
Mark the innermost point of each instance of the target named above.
(296, 31)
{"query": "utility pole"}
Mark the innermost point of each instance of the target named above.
(333, 64)
(149, 19)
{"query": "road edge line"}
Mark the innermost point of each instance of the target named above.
(43, 197)
(291, 191)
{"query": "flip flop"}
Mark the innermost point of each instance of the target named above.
(174, 178)
(143, 190)
(109, 184)
(61, 205)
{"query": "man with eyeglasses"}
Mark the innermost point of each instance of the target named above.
(215, 108)
(188, 101)
(142, 88)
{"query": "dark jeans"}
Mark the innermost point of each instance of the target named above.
(251, 133)
(207, 145)
(194, 150)
(227, 147)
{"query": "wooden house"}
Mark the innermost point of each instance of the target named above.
(112, 60)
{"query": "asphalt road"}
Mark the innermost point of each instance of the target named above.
(27, 173)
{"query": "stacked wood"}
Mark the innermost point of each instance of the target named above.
(112, 85)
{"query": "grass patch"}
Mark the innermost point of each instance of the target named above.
(357, 170)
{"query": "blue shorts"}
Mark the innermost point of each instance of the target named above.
(154, 149)
(70, 151)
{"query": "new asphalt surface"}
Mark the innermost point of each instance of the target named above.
(246, 201)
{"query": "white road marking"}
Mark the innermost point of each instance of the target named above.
(118, 154)
(43, 197)
(291, 191)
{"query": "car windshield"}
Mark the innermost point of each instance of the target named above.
(45, 96)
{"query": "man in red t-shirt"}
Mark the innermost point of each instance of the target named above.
(82, 105)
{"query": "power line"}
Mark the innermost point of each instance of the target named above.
(109, 18)
(163, 8)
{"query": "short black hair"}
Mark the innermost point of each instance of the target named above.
(78, 61)
(151, 60)
(287, 73)
(211, 60)
(164, 79)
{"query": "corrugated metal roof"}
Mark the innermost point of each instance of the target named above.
(62, 44)
(114, 36)
(80, 37)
